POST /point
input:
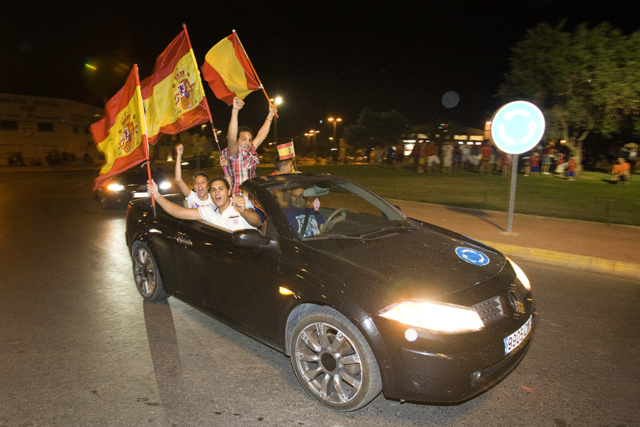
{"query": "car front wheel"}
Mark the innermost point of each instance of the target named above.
(145, 273)
(333, 361)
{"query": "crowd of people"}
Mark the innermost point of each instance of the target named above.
(545, 159)
(221, 202)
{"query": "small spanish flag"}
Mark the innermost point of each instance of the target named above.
(227, 70)
(285, 151)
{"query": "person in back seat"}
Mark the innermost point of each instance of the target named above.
(235, 213)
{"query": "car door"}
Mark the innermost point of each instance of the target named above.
(238, 285)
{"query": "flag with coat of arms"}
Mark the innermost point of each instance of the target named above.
(121, 136)
(174, 98)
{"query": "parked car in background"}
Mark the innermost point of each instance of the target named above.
(129, 185)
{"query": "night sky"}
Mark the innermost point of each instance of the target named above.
(323, 58)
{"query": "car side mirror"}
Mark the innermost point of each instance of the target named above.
(252, 239)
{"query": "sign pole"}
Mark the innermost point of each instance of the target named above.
(512, 197)
(516, 128)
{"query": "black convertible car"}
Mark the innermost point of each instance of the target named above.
(371, 301)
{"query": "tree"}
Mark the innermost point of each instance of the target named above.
(376, 129)
(586, 81)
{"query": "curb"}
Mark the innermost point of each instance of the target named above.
(563, 259)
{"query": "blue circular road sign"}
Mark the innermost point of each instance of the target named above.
(472, 256)
(517, 127)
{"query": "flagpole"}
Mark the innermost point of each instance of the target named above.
(145, 141)
(293, 149)
(252, 68)
(204, 96)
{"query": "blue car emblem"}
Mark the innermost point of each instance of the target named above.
(472, 256)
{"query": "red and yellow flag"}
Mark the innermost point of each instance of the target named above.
(285, 151)
(228, 72)
(174, 98)
(121, 134)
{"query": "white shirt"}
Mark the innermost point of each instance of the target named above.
(193, 201)
(229, 219)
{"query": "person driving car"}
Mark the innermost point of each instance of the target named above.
(305, 221)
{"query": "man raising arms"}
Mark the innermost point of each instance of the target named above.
(241, 155)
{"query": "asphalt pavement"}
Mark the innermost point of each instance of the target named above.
(599, 247)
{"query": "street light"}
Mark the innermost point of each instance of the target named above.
(277, 101)
(335, 122)
(309, 135)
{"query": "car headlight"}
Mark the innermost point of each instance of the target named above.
(437, 317)
(115, 187)
(520, 274)
(164, 185)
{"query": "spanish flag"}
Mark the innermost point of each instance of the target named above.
(121, 134)
(285, 151)
(174, 98)
(227, 70)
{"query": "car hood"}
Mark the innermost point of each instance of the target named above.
(419, 262)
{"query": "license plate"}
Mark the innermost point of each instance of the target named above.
(516, 338)
(140, 195)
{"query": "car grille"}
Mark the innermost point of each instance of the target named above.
(489, 310)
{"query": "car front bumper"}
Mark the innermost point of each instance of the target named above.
(438, 368)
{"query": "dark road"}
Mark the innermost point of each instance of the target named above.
(78, 347)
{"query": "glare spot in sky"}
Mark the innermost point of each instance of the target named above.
(450, 99)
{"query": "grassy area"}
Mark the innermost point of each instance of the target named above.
(590, 197)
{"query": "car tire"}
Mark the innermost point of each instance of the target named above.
(333, 361)
(146, 274)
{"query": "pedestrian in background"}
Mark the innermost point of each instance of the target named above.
(431, 154)
(399, 158)
(447, 157)
(535, 163)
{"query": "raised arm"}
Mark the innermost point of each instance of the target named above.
(232, 132)
(183, 187)
(249, 214)
(170, 207)
(264, 130)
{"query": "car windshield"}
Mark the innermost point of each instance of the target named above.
(328, 209)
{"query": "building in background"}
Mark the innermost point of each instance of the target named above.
(37, 130)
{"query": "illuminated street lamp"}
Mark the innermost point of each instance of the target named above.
(277, 100)
(335, 122)
(308, 135)
(312, 134)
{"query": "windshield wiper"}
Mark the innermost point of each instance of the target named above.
(382, 230)
(330, 237)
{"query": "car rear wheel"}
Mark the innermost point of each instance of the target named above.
(145, 273)
(333, 361)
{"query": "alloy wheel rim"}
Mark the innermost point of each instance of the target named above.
(145, 272)
(329, 363)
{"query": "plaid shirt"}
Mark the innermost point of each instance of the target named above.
(241, 167)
